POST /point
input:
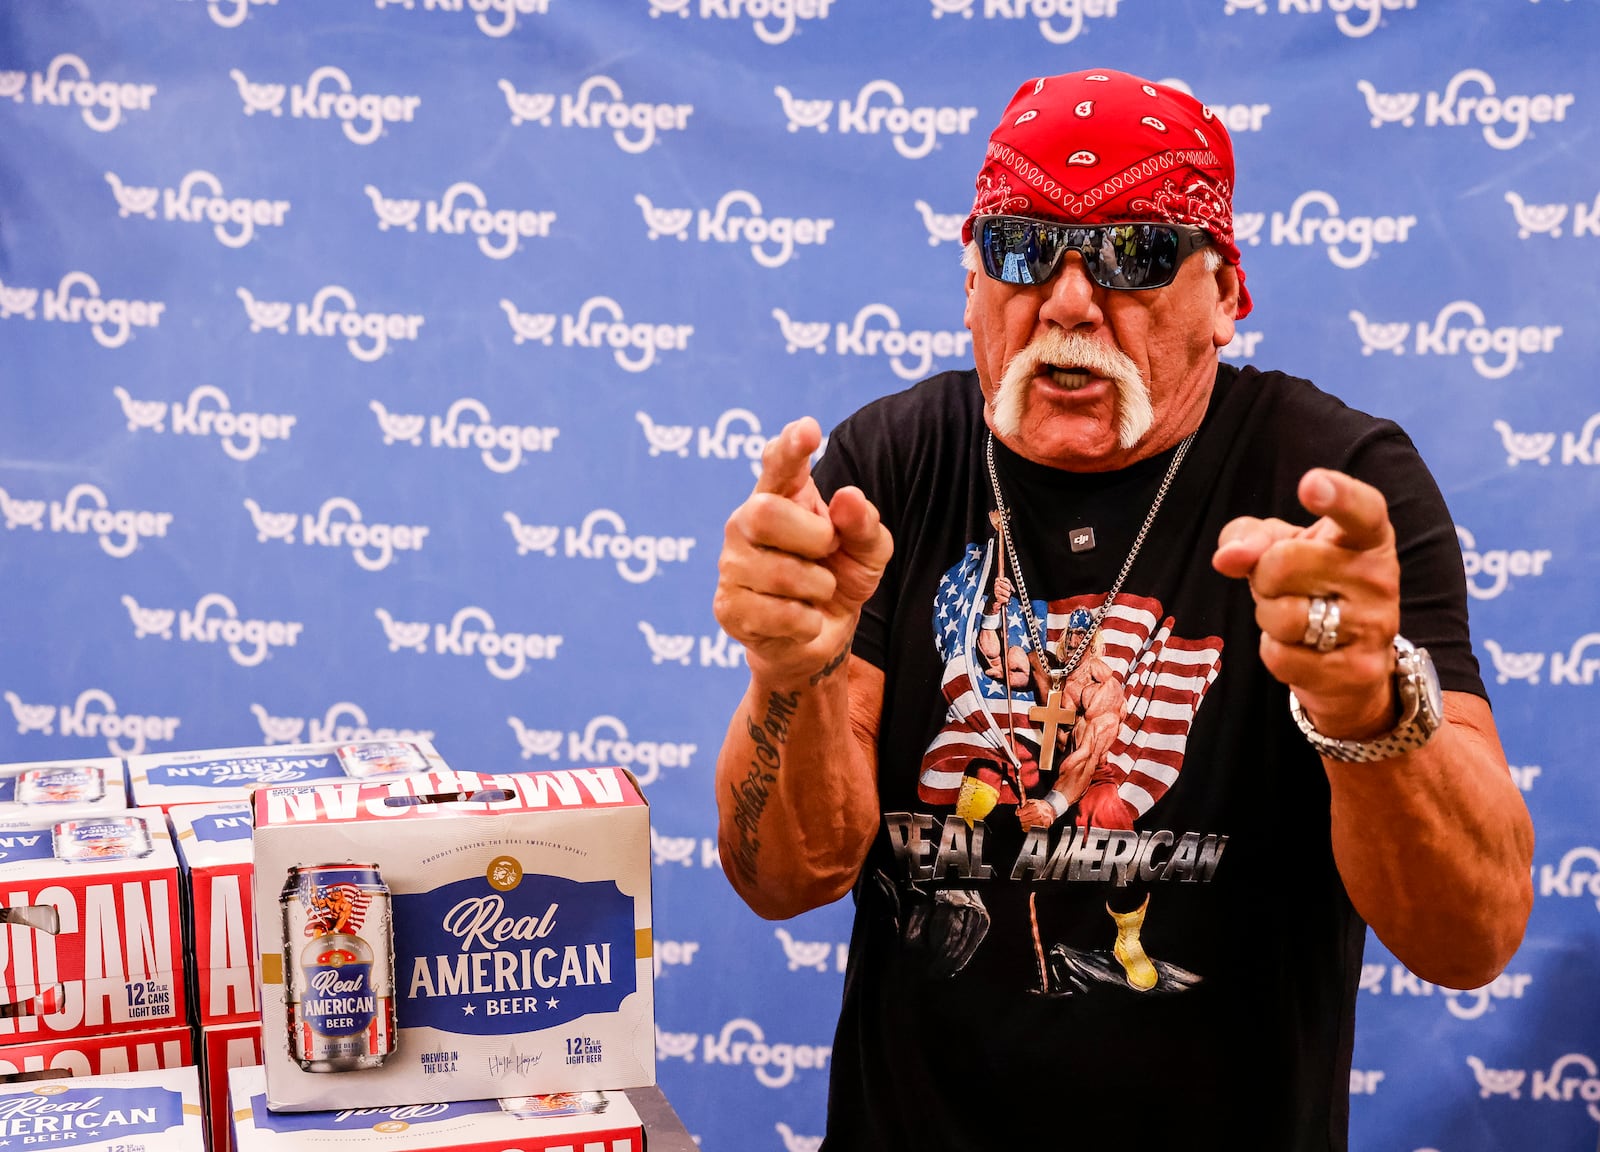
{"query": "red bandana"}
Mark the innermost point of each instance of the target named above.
(1099, 147)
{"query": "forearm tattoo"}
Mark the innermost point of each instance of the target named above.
(831, 667)
(750, 795)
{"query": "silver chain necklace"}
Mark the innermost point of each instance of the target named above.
(1057, 675)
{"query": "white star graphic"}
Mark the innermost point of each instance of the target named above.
(552, 1003)
(468, 1008)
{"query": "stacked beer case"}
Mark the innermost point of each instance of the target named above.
(94, 1037)
(451, 960)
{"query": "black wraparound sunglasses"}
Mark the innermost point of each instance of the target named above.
(1132, 255)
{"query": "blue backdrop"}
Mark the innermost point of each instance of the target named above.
(392, 366)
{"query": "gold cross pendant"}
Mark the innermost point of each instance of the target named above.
(1055, 713)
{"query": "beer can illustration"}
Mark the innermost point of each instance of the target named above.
(381, 758)
(101, 838)
(554, 1104)
(338, 964)
(62, 784)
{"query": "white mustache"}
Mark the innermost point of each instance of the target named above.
(1059, 349)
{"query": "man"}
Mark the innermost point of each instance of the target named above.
(1170, 958)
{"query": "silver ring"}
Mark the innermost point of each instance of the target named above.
(1330, 628)
(1322, 623)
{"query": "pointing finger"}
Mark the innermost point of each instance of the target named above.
(1355, 514)
(786, 460)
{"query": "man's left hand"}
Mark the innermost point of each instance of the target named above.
(1347, 558)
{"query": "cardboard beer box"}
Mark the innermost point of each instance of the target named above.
(61, 788)
(163, 779)
(589, 1121)
(224, 1047)
(454, 937)
(155, 1111)
(102, 1055)
(93, 926)
(215, 853)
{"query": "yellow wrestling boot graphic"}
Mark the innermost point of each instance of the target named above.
(1142, 975)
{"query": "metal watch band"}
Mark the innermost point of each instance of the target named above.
(1415, 669)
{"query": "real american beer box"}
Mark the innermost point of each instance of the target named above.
(215, 853)
(224, 1047)
(100, 1055)
(92, 926)
(161, 780)
(454, 936)
(588, 1121)
(61, 788)
(154, 1111)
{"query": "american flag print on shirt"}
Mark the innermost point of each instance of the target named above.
(986, 725)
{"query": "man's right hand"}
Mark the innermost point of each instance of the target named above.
(795, 570)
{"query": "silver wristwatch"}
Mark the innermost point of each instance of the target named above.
(1421, 712)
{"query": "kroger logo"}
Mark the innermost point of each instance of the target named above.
(1236, 117)
(1546, 219)
(472, 632)
(1324, 225)
(232, 13)
(249, 641)
(633, 126)
(604, 740)
(329, 95)
(1574, 1077)
(1341, 9)
(467, 424)
(1398, 980)
(719, 651)
(343, 723)
(600, 324)
(1044, 11)
(858, 339)
(726, 226)
(343, 319)
(486, 11)
(199, 199)
(239, 433)
(464, 211)
(943, 227)
(603, 536)
(1242, 346)
(735, 436)
(1578, 875)
(683, 850)
(759, 12)
(339, 524)
(743, 1042)
(66, 83)
(1574, 666)
(1576, 447)
(1445, 337)
(87, 512)
(94, 715)
(816, 955)
(1490, 570)
(111, 319)
(915, 131)
(1479, 104)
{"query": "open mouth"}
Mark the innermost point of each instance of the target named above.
(1071, 379)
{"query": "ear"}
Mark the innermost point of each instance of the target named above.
(966, 315)
(1227, 307)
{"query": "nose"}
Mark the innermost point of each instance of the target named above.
(1072, 300)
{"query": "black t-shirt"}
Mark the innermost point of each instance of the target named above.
(1181, 972)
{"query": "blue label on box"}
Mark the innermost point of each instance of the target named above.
(476, 960)
(251, 771)
(26, 844)
(359, 1119)
(222, 827)
(57, 1114)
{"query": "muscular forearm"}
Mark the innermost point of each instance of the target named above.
(797, 789)
(1435, 849)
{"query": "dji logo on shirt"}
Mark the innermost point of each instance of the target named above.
(1082, 539)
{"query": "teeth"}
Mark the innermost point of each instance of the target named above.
(1069, 377)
